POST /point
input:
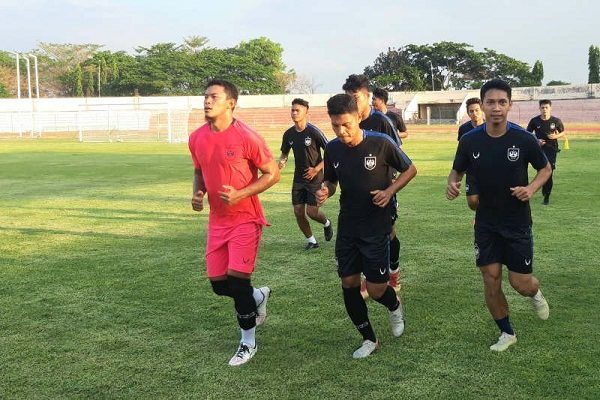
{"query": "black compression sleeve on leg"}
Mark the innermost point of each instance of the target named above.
(221, 288)
(245, 306)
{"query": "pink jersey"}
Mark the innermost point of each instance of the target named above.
(231, 157)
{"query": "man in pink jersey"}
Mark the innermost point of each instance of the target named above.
(227, 155)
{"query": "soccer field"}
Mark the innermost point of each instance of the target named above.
(103, 292)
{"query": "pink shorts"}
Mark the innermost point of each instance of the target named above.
(232, 248)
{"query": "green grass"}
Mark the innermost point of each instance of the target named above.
(103, 292)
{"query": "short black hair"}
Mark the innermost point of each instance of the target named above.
(495, 84)
(300, 102)
(356, 82)
(473, 100)
(545, 101)
(231, 90)
(341, 104)
(381, 93)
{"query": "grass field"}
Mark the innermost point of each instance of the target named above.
(103, 292)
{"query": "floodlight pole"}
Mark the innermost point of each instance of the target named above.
(28, 76)
(18, 74)
(37, 80)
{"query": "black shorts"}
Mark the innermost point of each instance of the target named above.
(512, 247)
(369, 255)
(304, 193)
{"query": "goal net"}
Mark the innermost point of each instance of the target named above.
(144, 122)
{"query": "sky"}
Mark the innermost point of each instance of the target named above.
(324, 41)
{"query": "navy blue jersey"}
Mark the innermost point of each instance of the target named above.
(379, 122)
(497, 164)
(307, 146)
(397, 121)
(359, 170)
(464, 128)
(542, 128)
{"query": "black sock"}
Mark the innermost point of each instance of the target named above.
(389, 299)
(504, 325)
(394, 253)
(245, 306)
(358, 313)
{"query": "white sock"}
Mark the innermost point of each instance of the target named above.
(258, 296)
(248, 336)
(394, 271)
(327, 223)
(312, 239)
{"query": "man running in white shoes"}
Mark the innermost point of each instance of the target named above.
(362, 161)
(497, 155)
(227, 155)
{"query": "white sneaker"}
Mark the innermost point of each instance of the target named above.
(504, 342)
(540, 306)
(397, 321)
(243, 354)
(261, 309)
(366, 349)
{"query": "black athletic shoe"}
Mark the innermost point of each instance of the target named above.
(328, 230)
(311, 246)
(546, 200)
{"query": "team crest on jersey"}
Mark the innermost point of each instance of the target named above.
(229, 154)
(513, 154)
(370, 162)
(307, 141)
(552, 127)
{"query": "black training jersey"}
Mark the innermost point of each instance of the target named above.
(307, 146)
(464, 128)
(497, 164)
(397, 121)
(359, 170)
(542, 128)
(379, 122)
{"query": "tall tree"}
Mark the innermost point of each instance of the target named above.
(444, 65)
(195, 43)
(594, 64)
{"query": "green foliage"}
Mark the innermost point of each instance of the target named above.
(447, 65)
(104, 293)
(557, 83)
(4, 93)
(594, 64)
(77, 77)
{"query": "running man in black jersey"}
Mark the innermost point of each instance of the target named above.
(379, 102)
(475, 119)
(361, 161)
(498, 154)
(357, 86)
(547, 128)
(306, 141)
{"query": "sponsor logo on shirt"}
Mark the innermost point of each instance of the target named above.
(513, 154)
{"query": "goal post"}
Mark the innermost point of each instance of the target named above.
(142, 122)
